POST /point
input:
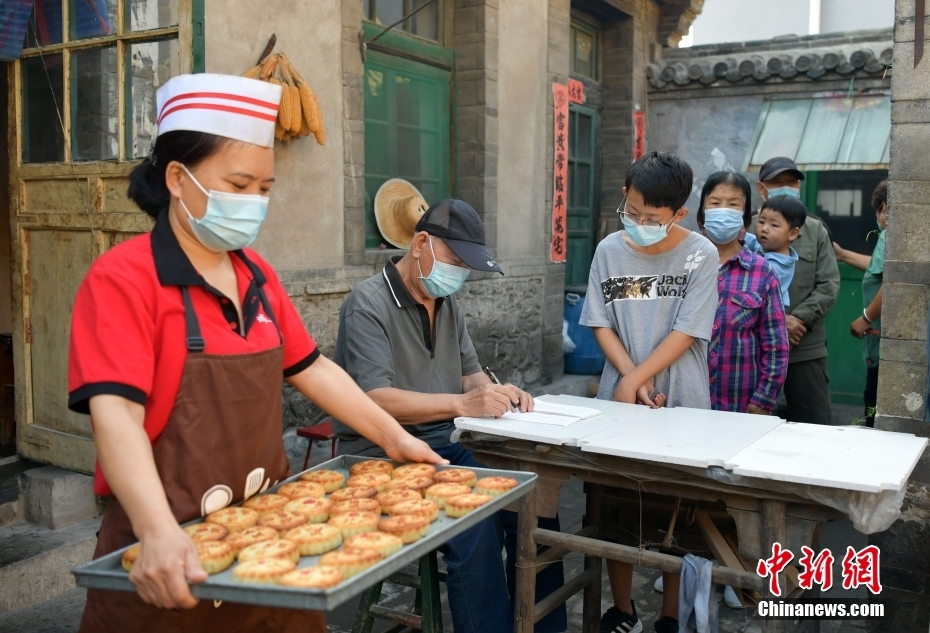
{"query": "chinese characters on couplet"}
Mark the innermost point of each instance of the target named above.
(575, 91)
(858, 568)
(558, 251)
(639, 134)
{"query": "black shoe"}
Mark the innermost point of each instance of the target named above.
(667, 624)
(616, 621)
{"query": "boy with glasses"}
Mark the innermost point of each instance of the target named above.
(652, 296)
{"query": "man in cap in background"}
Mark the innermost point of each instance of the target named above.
(813, 292)
(402, 337)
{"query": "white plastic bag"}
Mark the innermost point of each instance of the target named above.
(568, 345)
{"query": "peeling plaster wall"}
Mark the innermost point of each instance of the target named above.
(711, 134)
(522, 116)
(305, 221)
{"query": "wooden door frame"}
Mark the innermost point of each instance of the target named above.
(70, 450)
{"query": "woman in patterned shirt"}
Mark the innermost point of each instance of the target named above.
(748, 353)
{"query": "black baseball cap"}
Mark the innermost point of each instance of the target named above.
(459, 226)
(774, 166)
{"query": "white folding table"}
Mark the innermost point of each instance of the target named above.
(777, 480)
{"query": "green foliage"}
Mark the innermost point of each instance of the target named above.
(869, 412)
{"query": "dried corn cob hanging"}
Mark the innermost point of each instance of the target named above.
(299, 113)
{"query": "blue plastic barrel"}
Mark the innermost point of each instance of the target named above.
(587, 359)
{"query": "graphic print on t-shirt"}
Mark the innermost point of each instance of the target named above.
(615, 288)
(644, 287)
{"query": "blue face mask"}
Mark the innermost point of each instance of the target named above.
(791, 192)
(231, 220)
(445, 279)
(643, 236)
(722, 225)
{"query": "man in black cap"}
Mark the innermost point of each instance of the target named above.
(402, 337)
(812, 293)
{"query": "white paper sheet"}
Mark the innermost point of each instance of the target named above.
(541, 418)
(580, 413)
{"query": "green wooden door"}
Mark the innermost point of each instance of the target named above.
(842, 200)
(844, 353)
(407, 130)
(581, 165)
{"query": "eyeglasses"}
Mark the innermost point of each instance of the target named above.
(631, 220)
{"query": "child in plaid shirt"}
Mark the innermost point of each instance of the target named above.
(748, 352)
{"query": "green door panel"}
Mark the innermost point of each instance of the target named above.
(844, 352)
(407, 131)
(581, 165)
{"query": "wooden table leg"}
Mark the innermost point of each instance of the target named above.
(525, 600)
(773, 531)
(591, 601)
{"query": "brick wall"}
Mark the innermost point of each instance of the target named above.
(903, 369)
(626, 45)
(353, 130)
(474, 38)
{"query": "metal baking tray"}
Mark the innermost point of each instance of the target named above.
(107, 573)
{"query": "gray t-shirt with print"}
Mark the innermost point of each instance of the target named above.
(644, 297)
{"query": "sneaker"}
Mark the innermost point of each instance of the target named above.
(660, 584)
(731, 599)
(667, 624)
(616, 621)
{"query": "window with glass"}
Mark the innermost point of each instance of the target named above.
(425, 23)
(407, 131)
(844, 202)
(583, 46)
(88, 75)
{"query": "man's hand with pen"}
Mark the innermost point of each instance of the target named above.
(490, 397)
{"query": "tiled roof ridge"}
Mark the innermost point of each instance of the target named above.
(763, 65)
(783, 42)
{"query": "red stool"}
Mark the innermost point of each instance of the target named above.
(318, 432)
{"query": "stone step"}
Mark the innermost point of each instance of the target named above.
(36, 562)
(61, 614)
(12, 507)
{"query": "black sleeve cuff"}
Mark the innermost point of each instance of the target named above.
(299, 366)
(79, 399)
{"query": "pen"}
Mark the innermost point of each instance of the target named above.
(487, 370)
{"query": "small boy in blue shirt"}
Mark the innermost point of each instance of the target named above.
(779, 224)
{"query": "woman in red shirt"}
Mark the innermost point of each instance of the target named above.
(180, 340)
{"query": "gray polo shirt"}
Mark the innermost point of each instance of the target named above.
(384, 341)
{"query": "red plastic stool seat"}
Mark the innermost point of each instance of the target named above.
(319, 433)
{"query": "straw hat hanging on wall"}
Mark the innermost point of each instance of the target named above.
(398, 207)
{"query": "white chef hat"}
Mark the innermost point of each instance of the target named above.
(225, 105)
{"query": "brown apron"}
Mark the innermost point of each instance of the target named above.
(222, 443)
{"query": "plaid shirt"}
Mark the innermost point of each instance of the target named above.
(748, 352)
